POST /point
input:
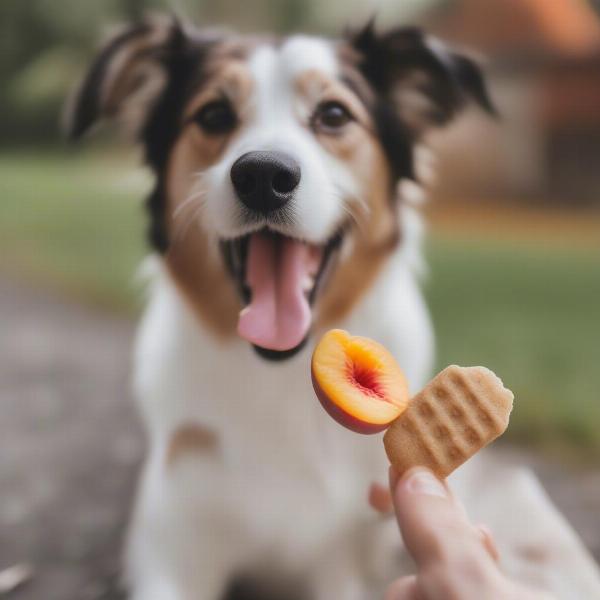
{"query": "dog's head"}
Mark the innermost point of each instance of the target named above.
(276, 160)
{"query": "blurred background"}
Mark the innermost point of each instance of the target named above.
(513, 248)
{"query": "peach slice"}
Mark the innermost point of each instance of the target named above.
(358, 382)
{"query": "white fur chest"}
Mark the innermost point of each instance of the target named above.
(277, 446)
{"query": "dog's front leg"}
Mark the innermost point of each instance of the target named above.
(179, 547)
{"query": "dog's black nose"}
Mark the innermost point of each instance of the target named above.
(265, 181)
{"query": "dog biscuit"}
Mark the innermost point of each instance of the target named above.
(457, 413)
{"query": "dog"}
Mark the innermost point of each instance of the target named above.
(285, 202)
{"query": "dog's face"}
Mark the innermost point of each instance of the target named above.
(276, 161)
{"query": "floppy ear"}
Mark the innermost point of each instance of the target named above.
(126, 77)
(421, 79)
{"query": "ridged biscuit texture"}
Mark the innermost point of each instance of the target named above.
(459, 412)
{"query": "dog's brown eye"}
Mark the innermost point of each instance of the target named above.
(331, 115)
(216, 117)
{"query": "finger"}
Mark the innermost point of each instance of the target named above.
(433, 523)
(488, 541)
(380, 499)
(405, 588)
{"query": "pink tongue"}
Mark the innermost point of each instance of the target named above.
(278, 317)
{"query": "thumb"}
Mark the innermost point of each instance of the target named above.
(433, 523)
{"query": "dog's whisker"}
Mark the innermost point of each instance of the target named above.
(194, 218)
(348, 210)
(192, 209)
(361, 203)
(184, 227)
(195, 195)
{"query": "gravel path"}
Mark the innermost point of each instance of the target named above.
(69, 444)
(70, 447)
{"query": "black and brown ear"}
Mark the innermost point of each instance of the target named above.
(425, 82)
(126, 77)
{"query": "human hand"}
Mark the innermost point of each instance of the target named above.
(456, 560)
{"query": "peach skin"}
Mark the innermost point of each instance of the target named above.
(358, 382)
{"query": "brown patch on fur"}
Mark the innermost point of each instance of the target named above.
(315, 87)
(193, 260)
(230, 79)
(191, 438)
(375, 235)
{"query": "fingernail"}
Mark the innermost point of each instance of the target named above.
(425, 483)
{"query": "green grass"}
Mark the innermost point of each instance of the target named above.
(74, 221)
(530, 312)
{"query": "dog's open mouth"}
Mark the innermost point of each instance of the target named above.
(278, 278)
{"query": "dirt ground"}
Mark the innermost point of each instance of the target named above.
(70, 446)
